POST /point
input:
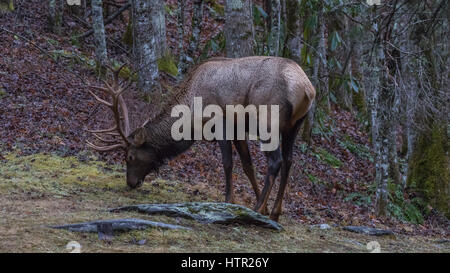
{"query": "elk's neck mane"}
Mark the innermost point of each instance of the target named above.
(159, 135)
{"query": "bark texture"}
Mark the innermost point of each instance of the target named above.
(148, 29)
(239, 28)
(101, 55)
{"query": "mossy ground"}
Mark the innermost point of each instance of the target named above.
(44, 189)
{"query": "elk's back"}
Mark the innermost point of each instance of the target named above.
(257, 80)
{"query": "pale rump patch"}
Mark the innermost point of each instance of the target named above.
(301, 94)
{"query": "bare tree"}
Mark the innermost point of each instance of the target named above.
(239, 28)
(147, 32)
(197, 17)
(180, 25)
(99, 34)
(275, 28)
(294, 33)
(55, 15)
(319, 74)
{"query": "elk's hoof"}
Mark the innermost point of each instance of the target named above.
(274, 217)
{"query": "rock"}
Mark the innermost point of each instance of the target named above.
(368, 230)
(105, 228)
(320, 226)
(217, 213)
(324, 226)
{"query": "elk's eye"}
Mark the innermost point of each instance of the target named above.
(130, 158)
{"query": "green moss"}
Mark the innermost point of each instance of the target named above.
(7, 5)
(359, 101)
(126, 72)
(2, 93)
(41, 175)
(167, 64)
(128, 36)
(218, 8)
(429, 175)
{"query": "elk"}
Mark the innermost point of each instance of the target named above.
(257, 80)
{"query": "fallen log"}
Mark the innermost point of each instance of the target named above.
(120, 225)
(369, 230)
(217, 213)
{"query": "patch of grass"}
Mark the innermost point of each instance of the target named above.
(359, 150)
(315, 180)
(359, 199)
(324, 156)
(74, 57)
(403, 209)
(42, 175)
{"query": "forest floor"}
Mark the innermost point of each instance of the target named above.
(48, 176)
(40, 190)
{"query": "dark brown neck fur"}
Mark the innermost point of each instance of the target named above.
(159, 129)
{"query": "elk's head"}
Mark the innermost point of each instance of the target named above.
(141, 158)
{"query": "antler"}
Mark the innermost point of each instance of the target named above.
(116, 91)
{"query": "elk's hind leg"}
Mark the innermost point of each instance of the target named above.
(274, 162)
(288, 139)
(227, 161)
(247, 165)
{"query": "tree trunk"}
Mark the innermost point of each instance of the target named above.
(343, 94)
(157, 14)
(394, 168)
(294, 34)
(180, 25)
(318, 72)
(55, 15)
(275, 28)
(197, 18)
(101, 55)
(239, 28)
(146, 49)
(429, 173)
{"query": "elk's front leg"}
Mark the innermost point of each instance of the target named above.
(227, 161)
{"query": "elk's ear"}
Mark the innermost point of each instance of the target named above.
(140, 137)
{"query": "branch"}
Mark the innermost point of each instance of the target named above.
(107, 21)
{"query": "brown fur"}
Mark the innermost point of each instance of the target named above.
(262, 81)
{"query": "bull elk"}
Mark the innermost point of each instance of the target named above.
(245, 81)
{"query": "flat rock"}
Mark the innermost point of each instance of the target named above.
(204, 212)
(121, 225)
(369, 230)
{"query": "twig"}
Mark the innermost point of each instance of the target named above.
(107, 21)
